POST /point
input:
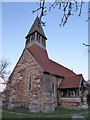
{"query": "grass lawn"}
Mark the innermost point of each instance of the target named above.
(25, 113)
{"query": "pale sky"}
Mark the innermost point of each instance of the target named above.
(64, 44)
(2, 87)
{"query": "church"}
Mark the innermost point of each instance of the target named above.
(40, 84)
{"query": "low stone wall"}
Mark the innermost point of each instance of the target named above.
(70, 102)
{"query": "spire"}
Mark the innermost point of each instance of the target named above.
(36, 27)
(36, 35)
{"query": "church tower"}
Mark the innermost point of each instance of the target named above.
(36, 35)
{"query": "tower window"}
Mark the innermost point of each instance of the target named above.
(38, 37)
(32, 36)
(28, 39)
(30, 82)
(43, 41)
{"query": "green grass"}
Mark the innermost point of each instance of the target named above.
(0, 106)
(25, 113)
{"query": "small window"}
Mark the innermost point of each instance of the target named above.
(30, 82)
(32, 36)
(53, 88)
(44, 43)
(28, 39)
(38, 37)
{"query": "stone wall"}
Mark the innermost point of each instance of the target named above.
(45, 99)
(43, 93)
(70, 102)
(74, 103)
(49, 94)
(72, 98)
(18, 86)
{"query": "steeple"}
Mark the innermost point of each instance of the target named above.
(36, 34)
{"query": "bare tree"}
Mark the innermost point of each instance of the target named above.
(68, 7)
(4, 70)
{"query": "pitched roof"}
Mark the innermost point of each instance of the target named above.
(47, 64)
(71, 82)
(36, 27)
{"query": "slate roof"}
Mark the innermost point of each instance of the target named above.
(71, 82)
(36, 27)
(47, 64)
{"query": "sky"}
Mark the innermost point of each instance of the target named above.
(64, 44)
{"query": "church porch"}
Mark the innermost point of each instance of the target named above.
(71, 98)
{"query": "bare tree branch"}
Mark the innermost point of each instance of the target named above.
(88, 11)
(81, 8)
(68, 7)
(86, 45)
(3, 70)
(42, 9)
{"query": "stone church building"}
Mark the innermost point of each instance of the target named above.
(38, 82)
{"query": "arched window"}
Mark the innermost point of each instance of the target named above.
(30, 82)
(53, 88)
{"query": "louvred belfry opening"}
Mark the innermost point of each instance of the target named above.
(36, 34)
